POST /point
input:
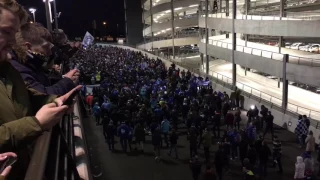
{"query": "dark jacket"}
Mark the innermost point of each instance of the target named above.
(139, 133)
(265, 152)
(35, 78)
(173, 138)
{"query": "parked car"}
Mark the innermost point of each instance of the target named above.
(287, 45)
(305, 48)
(314, 48)
(297, 46)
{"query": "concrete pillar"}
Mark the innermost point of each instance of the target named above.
(234, 43)
(173, 29)
(201, 57)
(207, 34)
(48, 14)
(151, 25)
(184, 13)
(227, 14)
(285, 82)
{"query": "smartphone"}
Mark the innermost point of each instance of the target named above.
(8, 162)
(69, 101)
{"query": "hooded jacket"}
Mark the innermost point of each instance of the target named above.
(35, 78)
(300, 168)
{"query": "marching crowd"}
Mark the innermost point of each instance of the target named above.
(138, 97)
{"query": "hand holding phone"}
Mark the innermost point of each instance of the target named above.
(69, 101)
(6, 161)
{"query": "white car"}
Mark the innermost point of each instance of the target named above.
(305, 48)
(314, 48)
(297, 46)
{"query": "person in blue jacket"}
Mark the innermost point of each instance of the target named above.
(123, 133)
(97, 113)
(165, 128)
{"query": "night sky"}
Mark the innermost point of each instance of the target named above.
(77, 15)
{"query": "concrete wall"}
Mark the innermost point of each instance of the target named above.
(168, 43)
(295, 28)
(167, 6)
(261, 64)
(182, 23)
(303, 74)
(295, 72)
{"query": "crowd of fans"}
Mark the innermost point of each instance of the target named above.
(138, 97)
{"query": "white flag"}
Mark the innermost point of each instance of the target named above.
(87, 40)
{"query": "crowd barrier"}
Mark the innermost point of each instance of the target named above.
(61, 152)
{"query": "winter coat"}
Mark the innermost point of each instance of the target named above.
(139, 134)
(123, 131)
(310, 141)
(165, 126)
(35, 78)
(299, 168)
(207, 139)
(229, 119)
(19, 129)
(264, 154)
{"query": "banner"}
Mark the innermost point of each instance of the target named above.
(87, 40)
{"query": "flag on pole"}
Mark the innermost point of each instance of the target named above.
(87, 40)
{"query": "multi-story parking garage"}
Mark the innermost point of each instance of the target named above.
(259, 59)
(252, 36)
(170, 27)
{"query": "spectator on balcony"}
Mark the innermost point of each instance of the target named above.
(311, 143)
(20, 124)
(301, 131)
(30, 58)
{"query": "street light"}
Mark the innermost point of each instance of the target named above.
(33, 12)
(105, 26)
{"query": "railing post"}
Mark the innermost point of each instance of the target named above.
(285, 82)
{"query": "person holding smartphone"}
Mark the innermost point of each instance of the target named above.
(5, 167)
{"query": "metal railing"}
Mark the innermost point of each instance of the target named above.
(267, 54)
(289, 16)
(53, 155)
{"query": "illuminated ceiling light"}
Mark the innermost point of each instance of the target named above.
(163, 31)
(49, 0)
(179, 8)
(167, 11)
(168, 29)
(177, 27)
(161, 15)
(194, 5)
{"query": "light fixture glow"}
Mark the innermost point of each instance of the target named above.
(167, 11)
(194, 5)
(178, 8)
(32, 10)
(49, 0)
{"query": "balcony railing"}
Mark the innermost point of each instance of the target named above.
(54, 156)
